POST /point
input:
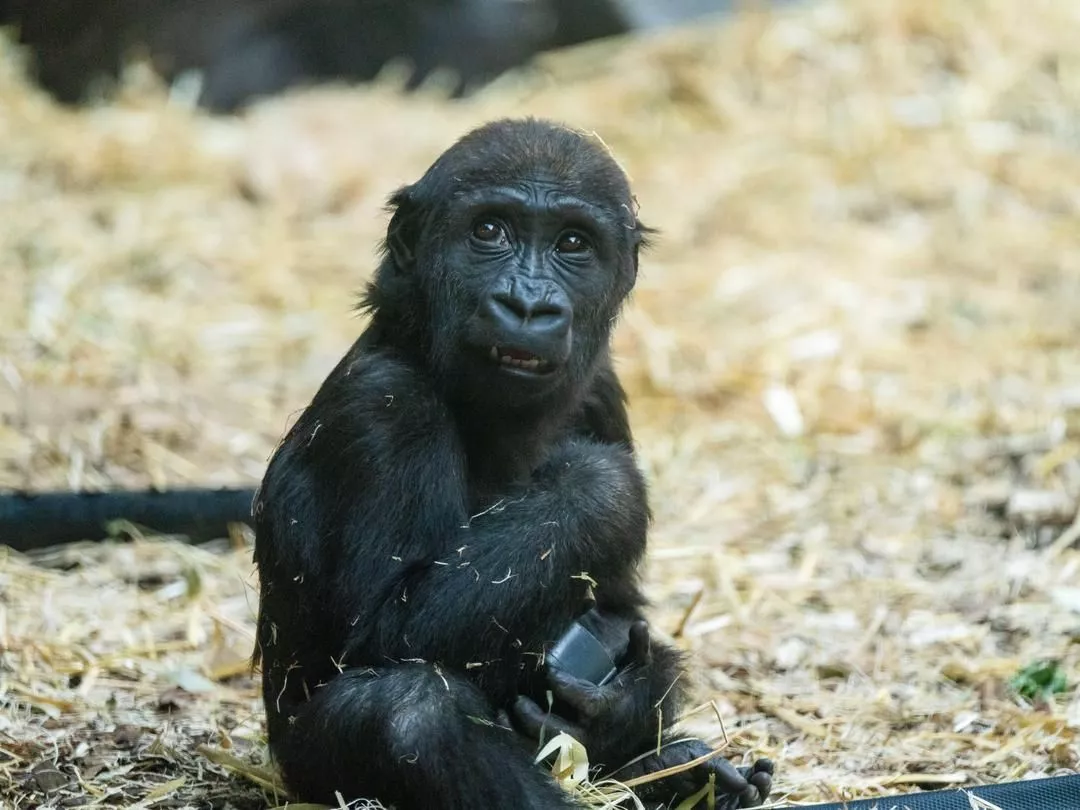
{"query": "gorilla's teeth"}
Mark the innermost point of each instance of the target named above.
(532, 364)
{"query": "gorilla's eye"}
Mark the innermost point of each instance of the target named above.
(487, 231)
(572, 242)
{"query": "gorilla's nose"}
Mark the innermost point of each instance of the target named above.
(529, 311)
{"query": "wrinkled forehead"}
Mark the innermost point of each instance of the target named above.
(579, 171)
(541, 184)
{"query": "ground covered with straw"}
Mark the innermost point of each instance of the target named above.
(853, 358)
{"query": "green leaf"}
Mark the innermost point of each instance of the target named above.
(1040, 679)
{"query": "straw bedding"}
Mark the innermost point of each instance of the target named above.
(853, 358)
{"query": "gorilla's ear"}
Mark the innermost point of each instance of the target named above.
(642, 240)
(404, 229)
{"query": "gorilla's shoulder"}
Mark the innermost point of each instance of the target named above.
(376, 383)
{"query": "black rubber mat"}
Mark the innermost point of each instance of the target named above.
(1057, 793)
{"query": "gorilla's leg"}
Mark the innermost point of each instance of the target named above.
(413, 737)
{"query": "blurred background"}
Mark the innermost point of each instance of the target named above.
(853, 355)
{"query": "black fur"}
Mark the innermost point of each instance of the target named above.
(431, 524)
(249, 49)
(293, 43)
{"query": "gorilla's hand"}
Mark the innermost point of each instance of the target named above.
(601, 715)
(735, 787)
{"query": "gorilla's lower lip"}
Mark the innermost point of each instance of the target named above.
(520, 359)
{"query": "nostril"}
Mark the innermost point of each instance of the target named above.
(542, 309)
(513, 304)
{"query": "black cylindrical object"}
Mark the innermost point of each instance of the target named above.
(38, 520)
(580, 653)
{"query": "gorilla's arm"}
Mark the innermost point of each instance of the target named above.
(625, 715)
(366, 503)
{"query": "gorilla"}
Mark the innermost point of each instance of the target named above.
(249, 49)
(451, 532)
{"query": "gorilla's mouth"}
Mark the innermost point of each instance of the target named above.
(519, 359)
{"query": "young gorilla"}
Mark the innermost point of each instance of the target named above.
(429, 527)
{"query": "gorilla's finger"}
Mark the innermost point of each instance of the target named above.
(750, 797)
(761, 777)
(763, 766)
(639, 650)
(529, 718)
(539, 724)
(502, 720)
(728, 778)
(763, 783)
(587, 698)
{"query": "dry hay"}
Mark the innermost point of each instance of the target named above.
(854, 362)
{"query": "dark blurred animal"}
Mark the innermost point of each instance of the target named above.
(262, 48)
(73, 45)
(462, 485)
(247, 49)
